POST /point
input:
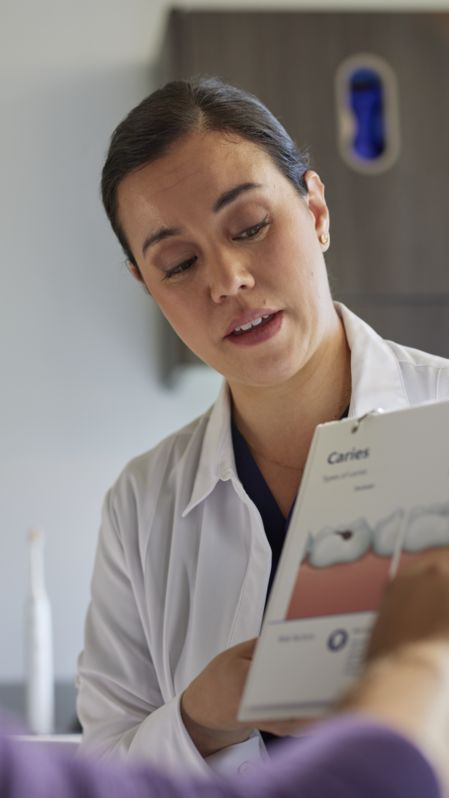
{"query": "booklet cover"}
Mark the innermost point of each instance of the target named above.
(374, 497)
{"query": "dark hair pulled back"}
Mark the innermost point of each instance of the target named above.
(179, 108)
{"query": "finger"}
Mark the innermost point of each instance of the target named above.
(433, 559)
(282, 728)
(245, 649)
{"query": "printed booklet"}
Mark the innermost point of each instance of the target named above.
(374, 497)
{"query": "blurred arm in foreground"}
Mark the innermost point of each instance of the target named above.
(389, 737)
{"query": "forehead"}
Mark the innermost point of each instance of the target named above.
(198, 167)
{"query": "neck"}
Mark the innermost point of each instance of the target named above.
(278, 422)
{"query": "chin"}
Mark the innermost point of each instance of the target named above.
(264, 377)
(262, 369)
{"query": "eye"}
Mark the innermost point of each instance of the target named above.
(179, 268)
(252, 232)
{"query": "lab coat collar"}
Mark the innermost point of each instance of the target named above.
(376, 383)
(375, 371)
(216, 460)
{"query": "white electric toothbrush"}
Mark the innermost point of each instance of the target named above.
(39, 643)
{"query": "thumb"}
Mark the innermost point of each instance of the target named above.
(246, 649)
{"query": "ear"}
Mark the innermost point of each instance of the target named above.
(317, 206)
(136, 273)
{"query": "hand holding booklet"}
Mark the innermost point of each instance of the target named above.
(374, 497)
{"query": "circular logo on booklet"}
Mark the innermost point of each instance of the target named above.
(337, 640)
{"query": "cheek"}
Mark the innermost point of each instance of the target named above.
(278, 254)
(292, 255)
(181, 313)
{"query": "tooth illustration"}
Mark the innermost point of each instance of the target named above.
(332, 545)
(427, 527)
(385, 534)
(309, 545)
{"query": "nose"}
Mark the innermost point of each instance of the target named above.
(229, 275)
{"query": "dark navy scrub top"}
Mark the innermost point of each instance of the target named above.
(275, 524)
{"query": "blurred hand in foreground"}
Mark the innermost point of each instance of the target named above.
(415, 605)
(405, 683)
(414, 611)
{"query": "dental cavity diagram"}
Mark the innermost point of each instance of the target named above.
(346, 568)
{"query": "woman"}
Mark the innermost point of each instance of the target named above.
(226, 226)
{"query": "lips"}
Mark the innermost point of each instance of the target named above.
(255, 318)
(259, 321)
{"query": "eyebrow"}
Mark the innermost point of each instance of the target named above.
(229, 196)
(224, 199)
(159, 235)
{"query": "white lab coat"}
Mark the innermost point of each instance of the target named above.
(183, 562)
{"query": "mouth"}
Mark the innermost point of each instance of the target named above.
(257, 328)
(251, 325)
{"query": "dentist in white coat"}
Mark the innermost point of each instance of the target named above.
(222, 220)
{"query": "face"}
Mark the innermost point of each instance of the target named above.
(231, 254)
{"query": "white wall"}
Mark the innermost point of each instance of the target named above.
(78, 346)
(79, 391)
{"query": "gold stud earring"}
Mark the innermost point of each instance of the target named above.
(324, 239)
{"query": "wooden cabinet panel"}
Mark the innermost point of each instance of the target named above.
(418, 321)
